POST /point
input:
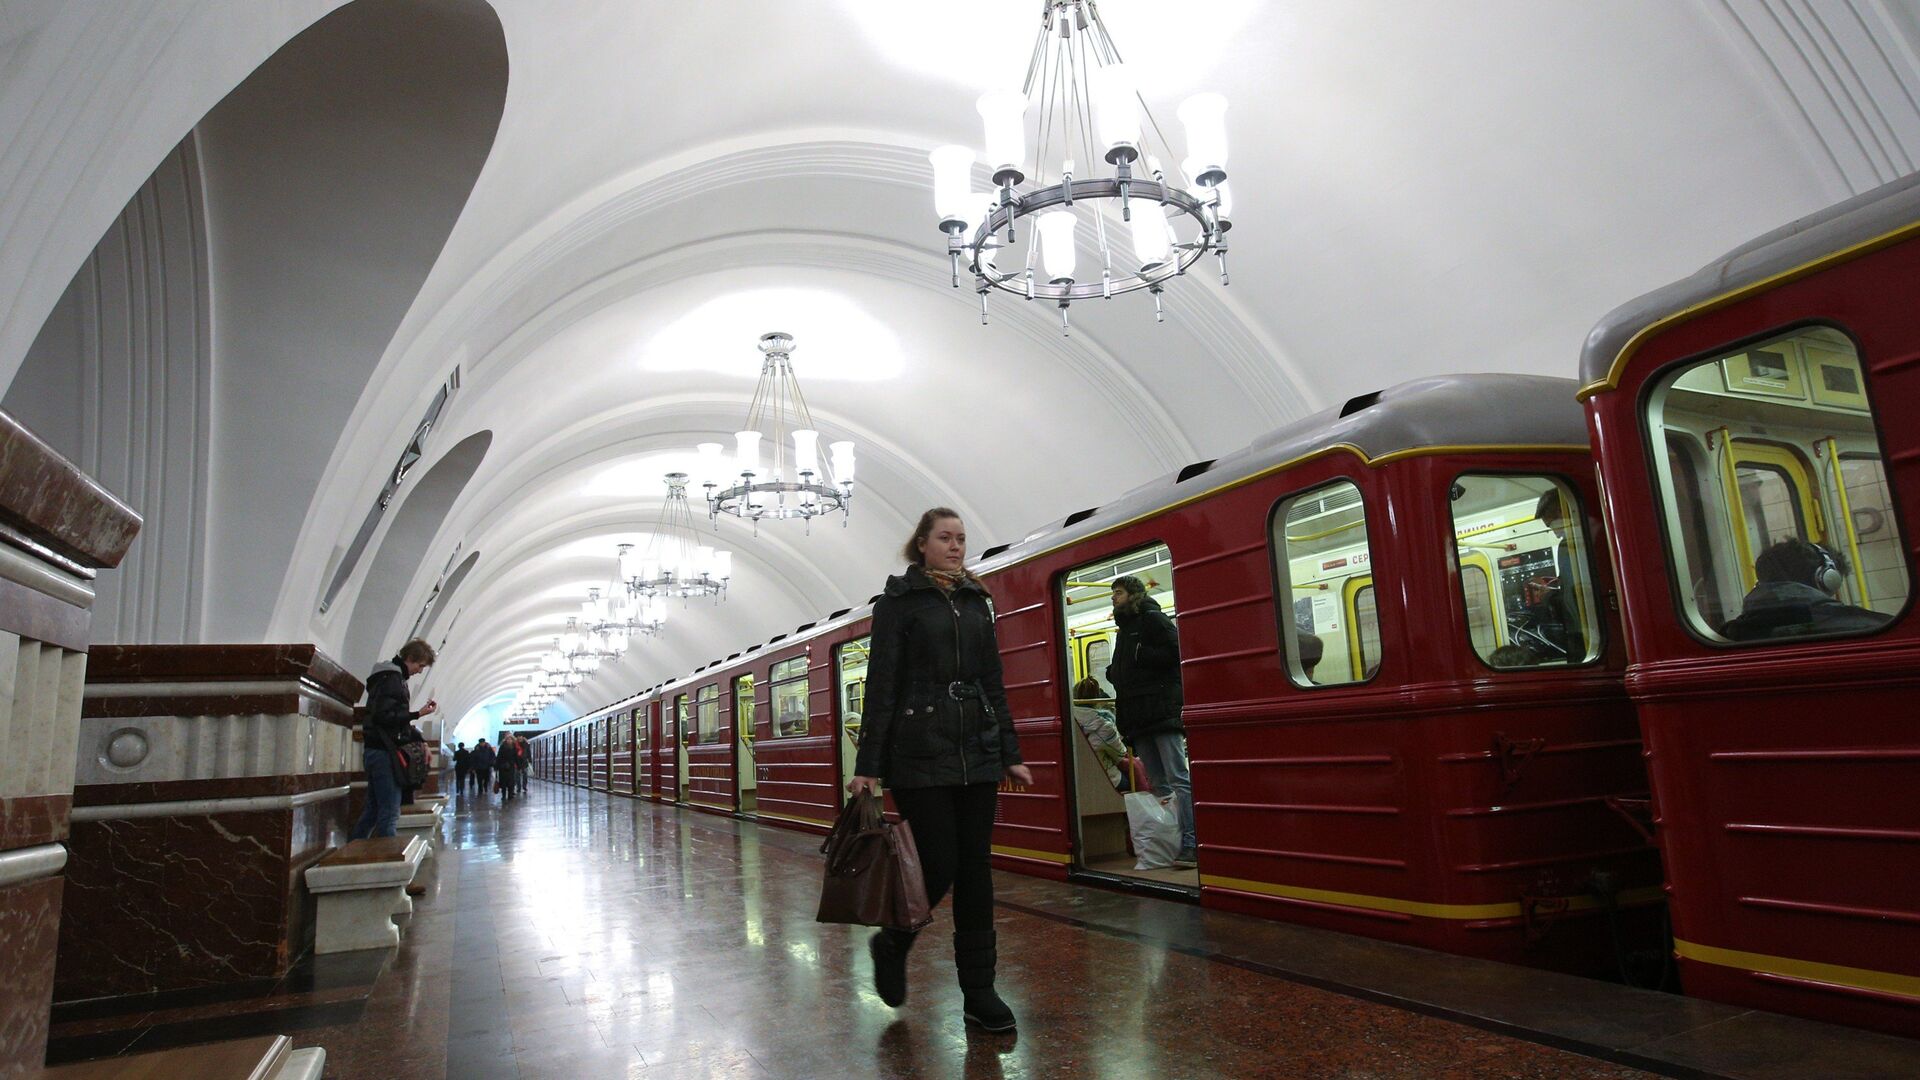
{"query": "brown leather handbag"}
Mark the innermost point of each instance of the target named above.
(873, 871)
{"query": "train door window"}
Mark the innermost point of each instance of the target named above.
(641, 734)
(706, 712)
(789, 680)
(1532, 530)
(850, 667)
(1866, 506)
(1116, 673)
(743, 707)
(1483, 630)
(1763, 538)
(1330, 629)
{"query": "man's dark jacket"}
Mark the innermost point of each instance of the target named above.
(918, 728)
(1145, 672)
(388, 714)
(481, 760)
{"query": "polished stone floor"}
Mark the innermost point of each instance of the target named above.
(578, 935)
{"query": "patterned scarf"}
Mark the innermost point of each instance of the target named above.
(948, 580)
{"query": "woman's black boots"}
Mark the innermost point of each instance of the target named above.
(889, 949)
(974, 954)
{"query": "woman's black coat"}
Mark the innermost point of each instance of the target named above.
(1145, 672)
(914, 731)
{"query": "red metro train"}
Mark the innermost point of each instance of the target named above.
(1413, 709)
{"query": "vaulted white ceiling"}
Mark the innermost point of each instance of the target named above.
(1420, 188)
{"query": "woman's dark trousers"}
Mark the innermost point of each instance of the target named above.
(953, 831)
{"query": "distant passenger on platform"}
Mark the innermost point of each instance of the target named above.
(506, 766)
(460, 756)
(1145, 675)
(526, 761)
(937, 731)
(1795, 594)
(388, 719)
(482, 765)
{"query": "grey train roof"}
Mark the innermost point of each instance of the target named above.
(1448, 410)
(1840, 226)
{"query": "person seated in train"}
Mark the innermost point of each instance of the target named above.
(1145, 676)
(1795, 594)
(1097, 725)
(1551, 622)
(1311, 650)
(1512, 656)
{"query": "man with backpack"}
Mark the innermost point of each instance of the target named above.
(383, 731)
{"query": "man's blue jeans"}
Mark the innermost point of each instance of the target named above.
(382, 815)
(1165, 757)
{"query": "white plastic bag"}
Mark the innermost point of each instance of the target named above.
(1156, 839)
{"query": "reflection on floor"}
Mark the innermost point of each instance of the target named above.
(580, 935)
(1122, 866)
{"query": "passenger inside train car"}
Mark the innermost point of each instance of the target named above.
(1333, 638)
(1774, 489)
(1090, 634)
(850, 671)
(1523, 571)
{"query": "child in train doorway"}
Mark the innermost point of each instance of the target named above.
(937, 732)
(1145, 676)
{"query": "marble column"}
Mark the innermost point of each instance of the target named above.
(58, 528)
(209, 777)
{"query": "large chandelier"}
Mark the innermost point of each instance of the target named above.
(1083, 105)
(675, 564)
(802, 486)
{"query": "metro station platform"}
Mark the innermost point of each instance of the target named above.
(578, 935)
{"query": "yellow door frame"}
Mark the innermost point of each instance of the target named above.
(1843, 509)
(1799, 476)
(1479, 560)
(1350, 597)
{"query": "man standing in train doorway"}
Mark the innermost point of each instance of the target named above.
(1145, 676)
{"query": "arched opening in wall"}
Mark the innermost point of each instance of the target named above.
(404, 548)
(259, 275)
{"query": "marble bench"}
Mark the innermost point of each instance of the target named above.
(269, 1057)
(359, 888)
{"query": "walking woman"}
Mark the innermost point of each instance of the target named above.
(937, 732)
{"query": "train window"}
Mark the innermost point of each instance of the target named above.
(1331, 633)
(789, 680)
(640, 727)
(1781, 526)
(852, 664)
(1530, 529)
(681, 719)
(706, 714)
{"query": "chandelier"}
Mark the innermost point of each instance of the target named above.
(802, 487)
(674, 564)
(1082, 102)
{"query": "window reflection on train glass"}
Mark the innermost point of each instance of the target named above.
(1325, 570)
(706, 714)
(1522, 556)
(682, 719)
(790, 697)
(1779, 521)
(1094, 654)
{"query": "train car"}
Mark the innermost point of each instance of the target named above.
(1404, 705)
(1754, 425)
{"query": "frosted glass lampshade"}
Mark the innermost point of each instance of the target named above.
(806, 451)
(1057, 254)
(629, 562)
(1005, 114)
(723, 565)
(842, 461)
(703, 560)
(1205, 118)
(952, 181)
(747, 451)
(650, 567)
(1116, 106)
(1152, 239)
(1223, 191)
(712, 465)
